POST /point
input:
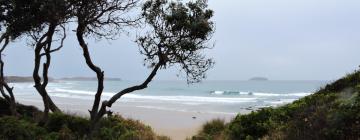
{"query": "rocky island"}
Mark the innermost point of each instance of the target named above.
(259, 79)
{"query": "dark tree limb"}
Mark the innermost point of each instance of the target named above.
(93, 67)
(3, 83)
(44, 43)
(117, 96)
(22, 17)
(61, 43)
(101, 19)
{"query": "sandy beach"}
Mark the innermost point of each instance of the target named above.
(178, 125)
(171, 108)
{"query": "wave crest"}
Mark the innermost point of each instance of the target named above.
(220, 92)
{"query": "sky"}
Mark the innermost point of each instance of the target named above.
(277, 39)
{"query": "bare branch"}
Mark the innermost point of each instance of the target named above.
(117, 96)
(61, 42)
(3, 83)
(92, 66)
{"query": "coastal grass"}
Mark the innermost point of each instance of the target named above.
(331, 113)
(69, 127)
(212, 130)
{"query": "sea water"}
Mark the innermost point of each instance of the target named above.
(228, 97)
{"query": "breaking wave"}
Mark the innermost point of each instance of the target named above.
(220, 92)
(82, 93)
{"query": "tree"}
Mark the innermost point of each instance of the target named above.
(53, 14)
(3, 84)
(101, 19)
(14, 19)
(179, 34)
(4, 40)
(31, 18)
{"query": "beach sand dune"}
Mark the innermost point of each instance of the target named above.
(178, 125)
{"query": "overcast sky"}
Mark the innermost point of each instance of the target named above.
(278, 39)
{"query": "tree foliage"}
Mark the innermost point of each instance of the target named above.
(39, 21)
(179, 33)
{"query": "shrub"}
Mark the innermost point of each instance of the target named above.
(214, 127)
(212, 130)
(254, 125)
(67, 127)
(116, 127)
(60, 121)
(13, 129)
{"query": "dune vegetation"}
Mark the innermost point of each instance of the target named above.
(333, 112)
(68, 127)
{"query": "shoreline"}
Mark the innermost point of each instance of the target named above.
(178, 125)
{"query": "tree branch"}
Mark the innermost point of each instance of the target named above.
(117, 96)
(41, 86)
(61, 43)
(92, 66)
(3, 83)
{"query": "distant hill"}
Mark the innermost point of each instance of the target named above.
(258, 79)
(20, 79)
(88, 79)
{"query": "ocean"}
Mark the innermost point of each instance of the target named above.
(227, 97)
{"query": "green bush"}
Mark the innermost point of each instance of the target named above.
(331, 113)
(13, 129)
(253, 125)
(68, 127)
(351, 80)
(59, 121)
(212, 130)
(116, 127)
(214, 127)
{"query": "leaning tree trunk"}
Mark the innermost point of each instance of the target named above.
(10, 99)
(95, 113)
(96, 69)
(144, 85)
(117, 96)
(41, 84)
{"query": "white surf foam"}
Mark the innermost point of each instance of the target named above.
(80, 93)
(253, 97)
(219, 92)
(192, 99)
